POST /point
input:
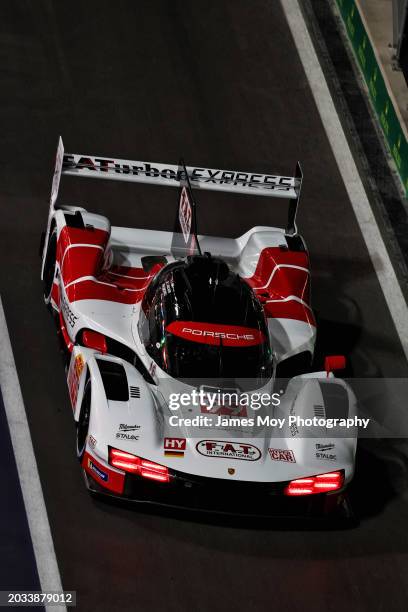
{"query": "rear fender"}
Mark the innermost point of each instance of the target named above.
(320, 396)
(67, 216)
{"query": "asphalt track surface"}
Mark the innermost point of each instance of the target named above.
(221, 84)
(15, 540)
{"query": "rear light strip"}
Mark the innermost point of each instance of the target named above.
(322, 483)
(136, 465)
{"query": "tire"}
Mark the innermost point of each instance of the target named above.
(83, 422)
(49, 265)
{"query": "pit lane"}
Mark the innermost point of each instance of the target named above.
(221, 84)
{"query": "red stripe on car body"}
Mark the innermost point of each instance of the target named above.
(74, 235)
(121, 284)
(81, 261)
(94, 290)
(279, 274)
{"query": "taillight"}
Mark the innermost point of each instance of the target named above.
(322, 483)
(135, 465)
(124, 461)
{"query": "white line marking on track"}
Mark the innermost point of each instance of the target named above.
(348, 169)
(27, 468)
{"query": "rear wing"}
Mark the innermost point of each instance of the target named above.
(168, 175)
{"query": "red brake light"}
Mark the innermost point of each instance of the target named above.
(135, 465)
(94, 340)
(322, 483)
(124, 461)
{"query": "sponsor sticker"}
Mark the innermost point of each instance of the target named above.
(82, 164)
(125, 427)
(323, 452)
(325, 447)
(69, 316)
(74, 375)
(185, 214)
(100, 473)
(326, 456)
(282, 454)
(91, 441)
(125, 432)
(125, 436)
(228, 450)
(214, 333)
(174, 447)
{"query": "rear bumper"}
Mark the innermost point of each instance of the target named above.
(220, 496)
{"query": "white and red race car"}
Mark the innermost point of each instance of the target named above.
(147, 317)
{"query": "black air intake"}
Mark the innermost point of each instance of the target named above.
(134, 392)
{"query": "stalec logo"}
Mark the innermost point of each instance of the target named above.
(212, 333)
(221, 449)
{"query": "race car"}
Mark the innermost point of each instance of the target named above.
(150, 317)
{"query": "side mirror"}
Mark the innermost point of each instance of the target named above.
(334, 362)
(94, 340)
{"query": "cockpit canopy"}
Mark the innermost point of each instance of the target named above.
(200, 320)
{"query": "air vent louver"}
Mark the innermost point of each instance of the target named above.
(134, 392)
(319, 411)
